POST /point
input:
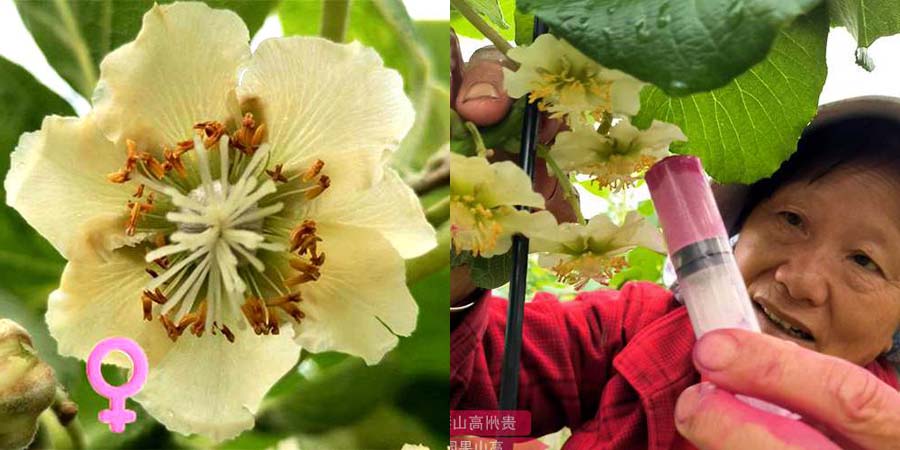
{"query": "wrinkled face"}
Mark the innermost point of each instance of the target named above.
(822, 263)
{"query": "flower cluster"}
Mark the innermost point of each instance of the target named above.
(596, 104)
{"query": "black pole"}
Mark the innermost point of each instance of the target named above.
(509, 381)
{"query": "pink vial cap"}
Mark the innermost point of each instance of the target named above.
(684, 202)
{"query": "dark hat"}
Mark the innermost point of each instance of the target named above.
(732, 198)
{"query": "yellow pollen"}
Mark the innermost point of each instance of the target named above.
(481, 232)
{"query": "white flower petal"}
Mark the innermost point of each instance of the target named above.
(390, 207)
(181, 69)
(637, 231)
(361, 300)
(625, 93)
(579, 148)
(524, 222)
(213, 387)
(57, 179)
(492, 184)
(328, 101)
(99, 297)
(658, 137)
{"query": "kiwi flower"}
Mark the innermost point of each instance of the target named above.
(565, 82)
(595, 251)
(226, 210)
(616, 159)
(483, 200)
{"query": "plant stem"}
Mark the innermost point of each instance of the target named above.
(335, 15)
(65, 410)
(568, 189)
(480, 149)
(433, 261)
(438, 175)
(482, 26)
(76, 435)
(439, 212)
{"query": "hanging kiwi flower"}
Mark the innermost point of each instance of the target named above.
(566, 83)
(616, 159)
(226, 210)
(483, 200)
(595, 251)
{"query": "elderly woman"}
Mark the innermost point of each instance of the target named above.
(818, 245)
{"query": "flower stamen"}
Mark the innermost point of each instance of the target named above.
(212, 131)
(276, 174)
(205, 240)
(248, 137)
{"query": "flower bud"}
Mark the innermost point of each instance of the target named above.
(27, 386)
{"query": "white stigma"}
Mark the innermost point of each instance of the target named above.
(219, 231)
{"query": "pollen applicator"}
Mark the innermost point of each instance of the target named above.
(708, 276)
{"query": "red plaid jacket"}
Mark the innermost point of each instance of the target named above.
(609, 365)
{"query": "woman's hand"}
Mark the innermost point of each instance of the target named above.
(843, 405)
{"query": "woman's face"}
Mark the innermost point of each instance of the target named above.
(824, 258)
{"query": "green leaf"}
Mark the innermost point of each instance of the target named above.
(29, 266)
(524, 28)
(742, 132)
(418, 51)
(491, 10)
(643, 265)
(76, 35)
(427, 350)
(384, 428)
(333, 396)
(462, 26)
(866, 20)
(490, 273)
(681, 47)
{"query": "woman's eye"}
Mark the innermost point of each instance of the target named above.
(865, 262)
(792, 219)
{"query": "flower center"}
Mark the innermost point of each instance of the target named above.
(475, 227)
(215, 217)
(568, 85)
(578, 270)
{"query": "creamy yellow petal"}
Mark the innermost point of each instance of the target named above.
(467, 172)
(213, 387)
(57, 179)
(361, 301)
(658, 137)
(510, 186)
(492, 184)
(625, 93)
(579, 148)
(519, 221)
(390, 208)
(544, 53)
(565, 238)
(638, 231)
(99, 297)
(181, 69)
(328, 101)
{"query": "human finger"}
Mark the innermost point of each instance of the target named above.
(481, 97)
(855, 407)
(714, 419)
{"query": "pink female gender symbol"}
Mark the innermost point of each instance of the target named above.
(117, 415)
